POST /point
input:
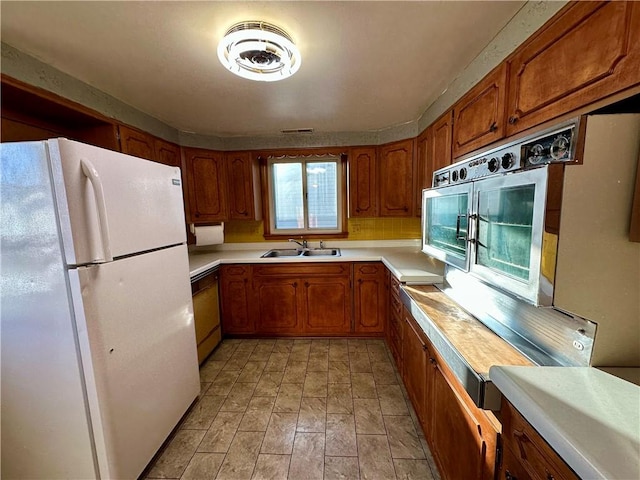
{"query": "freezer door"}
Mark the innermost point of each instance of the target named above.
(111, 204)
(135, 322)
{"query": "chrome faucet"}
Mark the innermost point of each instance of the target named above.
(303, 244)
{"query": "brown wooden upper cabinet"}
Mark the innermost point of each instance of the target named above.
(588, 52)
(363, 201)
(396, 167)
(441, 141)
(137, 143)
(206, 185)
(243, 179)
(424, 167)
(141, 144)
(166, 152)
(479, 116)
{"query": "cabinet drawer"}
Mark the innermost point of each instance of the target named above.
(533, 453)
(395, 287)
(396, 306)
(302, 269)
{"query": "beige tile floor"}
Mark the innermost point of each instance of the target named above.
(298, 409)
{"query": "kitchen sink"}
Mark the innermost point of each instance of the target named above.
(307, 252)
(322, 252)
(288, 252)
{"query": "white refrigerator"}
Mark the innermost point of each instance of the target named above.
(98, 344)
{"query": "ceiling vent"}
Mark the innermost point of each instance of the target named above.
(259, 51)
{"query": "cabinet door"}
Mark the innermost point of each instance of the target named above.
(206, 180)
(424, 168)
(456, 440)
(396, 167)
(441, 141)
(479, 115)
(588, 51)
(327, 305)
(236, 299)
(278, 305)
(362, 183)
(370, 302)
(242, 177)
(136, 143)
(166, 152)
(415, 365)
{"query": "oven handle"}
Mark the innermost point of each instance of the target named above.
(472, 218)
(458, 236)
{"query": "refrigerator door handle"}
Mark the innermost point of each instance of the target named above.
(94, 177)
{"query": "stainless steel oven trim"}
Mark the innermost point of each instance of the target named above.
(448, 258)
(537, 290)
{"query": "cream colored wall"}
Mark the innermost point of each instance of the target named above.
(598, 270)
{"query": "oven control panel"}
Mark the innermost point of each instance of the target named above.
(557, 147)
(499, 161)
(554, 145)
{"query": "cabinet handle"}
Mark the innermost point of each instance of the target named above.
(406, 209)
(432, 361)
(512, 120)
(295, 284)
(509, 476)
(493, 127)
(358, 210)
(424, 347)
(360, 281)
(306, 284)
(550, 477)
(521, 438)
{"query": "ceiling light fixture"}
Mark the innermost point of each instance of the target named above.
(259, 51)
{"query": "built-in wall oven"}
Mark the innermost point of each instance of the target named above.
(496, 214)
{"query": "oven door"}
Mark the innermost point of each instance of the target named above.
(509, 216)
(445, 224)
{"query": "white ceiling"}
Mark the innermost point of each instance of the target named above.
(365, 65)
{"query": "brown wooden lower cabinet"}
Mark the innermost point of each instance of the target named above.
(370, 301)
(462, 437)
(236, 302)
(525, 454)
(292, 299)
(416, 356)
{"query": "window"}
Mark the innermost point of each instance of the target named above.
(306, 195)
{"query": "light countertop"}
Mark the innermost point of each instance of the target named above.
(589, 417)
(403, 258)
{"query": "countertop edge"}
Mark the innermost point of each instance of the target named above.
(424, 277)
(535, 415)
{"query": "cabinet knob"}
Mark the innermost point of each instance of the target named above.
(306, 284)
(360, 281)
(513, 119)
(509, 476)
(406, 209)
(358, 210)
(550, 477)
(424, 347)
(493, 127)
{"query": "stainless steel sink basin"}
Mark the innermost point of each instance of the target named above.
(308, 252)
(287, 252)
(322, 252)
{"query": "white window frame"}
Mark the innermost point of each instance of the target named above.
(304, 159)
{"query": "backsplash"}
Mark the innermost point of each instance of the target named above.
(393, 228)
